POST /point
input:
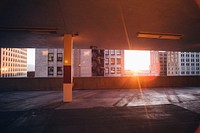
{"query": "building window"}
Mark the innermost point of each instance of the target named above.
(50, 70)
(192, 64)
(197, 60)
(197, 72)
(197, 55)
(59, 71)
(187, 72)
(187, 60)
(192, 60)
(118, 70)
(187, 64)
(192, 55)
(112, 71)
(182, 72)
(197, 64)
(59, 57)
(187, 55)
(182, 55)
(107, 52)
(118, 61)
(107, 61)
(112, 52)
(112, 61)
(50, 57)
(118, 52)
(192, 72)
(107, 70)
(197, 68)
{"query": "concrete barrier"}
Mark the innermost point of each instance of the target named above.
(8, 84)
(136, 82)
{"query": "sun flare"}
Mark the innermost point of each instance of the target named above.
(137, 60)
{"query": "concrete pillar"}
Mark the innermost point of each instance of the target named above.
(67, 77)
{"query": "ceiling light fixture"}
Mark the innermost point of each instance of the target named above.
(42, 30)
(159, 35)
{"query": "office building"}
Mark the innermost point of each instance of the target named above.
(189, 63)
(113, 62)
(13, 62)
(158, 63)
(49, 63)
(175, 63)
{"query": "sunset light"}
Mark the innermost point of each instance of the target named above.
(137, 60)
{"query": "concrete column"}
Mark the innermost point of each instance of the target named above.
(67, 77)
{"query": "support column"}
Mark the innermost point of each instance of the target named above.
(68, 76)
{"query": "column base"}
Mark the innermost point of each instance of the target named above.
(67, 92)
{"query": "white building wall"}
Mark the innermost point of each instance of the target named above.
(85, 63)
(41, 62)
(81, 63)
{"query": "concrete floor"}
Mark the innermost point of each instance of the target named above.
(148, 110)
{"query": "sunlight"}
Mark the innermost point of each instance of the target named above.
(137, 60)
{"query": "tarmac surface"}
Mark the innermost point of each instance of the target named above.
(154, 110)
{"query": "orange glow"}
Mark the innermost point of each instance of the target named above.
(137, 60)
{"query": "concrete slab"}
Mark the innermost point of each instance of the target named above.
(154, 110)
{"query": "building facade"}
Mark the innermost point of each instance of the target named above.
(86, 62)
(13, 62)
(189, 63)
(49, 63)
(158, 63)
(175, 63)
(113, 62)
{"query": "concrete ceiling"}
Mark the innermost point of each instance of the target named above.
(107, 24)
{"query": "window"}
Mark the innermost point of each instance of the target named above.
(192, 60)
(187, 64)
(50, 57)
(59, 57)
(50, 70)
(107, 61)
(187, 55)
(187, 60)
(192, 55)
(192, 64)
(112, 52)
(118, 61)
(197, 64)
(118, 70)
(112, 70)
(197, 68)
(182, 55)
(197, 60)
(107, 70)
(112, 61)
(59, 71)
(187, 72)
(118, 52)
(192, 72)
(107, 52)
(197, 55)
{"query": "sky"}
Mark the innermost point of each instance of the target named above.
(137, 60)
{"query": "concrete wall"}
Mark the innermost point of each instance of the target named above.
(7, 84)
(135, 82)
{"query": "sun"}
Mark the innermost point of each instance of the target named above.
(137, 60)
